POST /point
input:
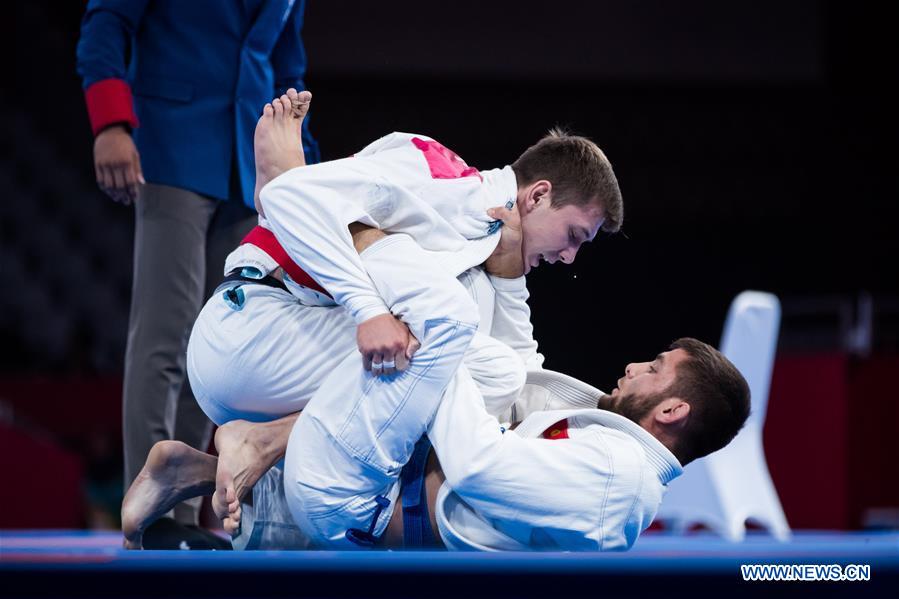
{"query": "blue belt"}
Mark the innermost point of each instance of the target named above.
(417, 531)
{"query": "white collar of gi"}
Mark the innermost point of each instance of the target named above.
(666, 465)
(502, 185)
(663, 461)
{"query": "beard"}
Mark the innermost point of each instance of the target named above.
(632, 406)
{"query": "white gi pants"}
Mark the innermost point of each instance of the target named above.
(269, 358)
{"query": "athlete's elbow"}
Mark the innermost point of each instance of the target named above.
(454, 319)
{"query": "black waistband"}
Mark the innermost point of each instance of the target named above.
(268, 280)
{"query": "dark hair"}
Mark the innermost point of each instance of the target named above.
(718, 396)
(579, 172)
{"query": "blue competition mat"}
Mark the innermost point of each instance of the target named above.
(77, 563)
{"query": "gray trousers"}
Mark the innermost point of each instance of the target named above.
(180, 244)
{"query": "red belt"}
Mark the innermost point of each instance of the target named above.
(265, 240)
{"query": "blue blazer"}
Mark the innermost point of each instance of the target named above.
(199, 72)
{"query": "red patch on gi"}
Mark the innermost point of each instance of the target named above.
(443, 162)
(557, 431)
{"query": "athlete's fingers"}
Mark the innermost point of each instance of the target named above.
(390, 365)
(402, 362)
(377, 364)
(414, 346)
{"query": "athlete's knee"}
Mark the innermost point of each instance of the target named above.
(452, 324)
(459, 307)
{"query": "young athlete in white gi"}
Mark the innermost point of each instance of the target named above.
(404, 184)
(257, 353)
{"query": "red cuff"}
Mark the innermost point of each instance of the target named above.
(109, 101)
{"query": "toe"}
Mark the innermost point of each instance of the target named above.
(285, 104)
(230, 526)
(268, 111)
(219, 505)
(278, 107)
(301, 104)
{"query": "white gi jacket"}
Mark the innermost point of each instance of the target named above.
(401, 183)
(596, 490)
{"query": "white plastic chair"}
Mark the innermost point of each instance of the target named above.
(724, 489)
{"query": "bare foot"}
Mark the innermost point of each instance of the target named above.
(242, 462)
(246, 452)
(278, 141)
(174, 472)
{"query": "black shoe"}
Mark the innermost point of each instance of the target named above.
(166, 533)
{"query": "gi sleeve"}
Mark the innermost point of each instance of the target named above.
(107, 29)
(309, 209)
(512, 320)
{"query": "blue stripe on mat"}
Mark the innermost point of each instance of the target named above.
(659, 553)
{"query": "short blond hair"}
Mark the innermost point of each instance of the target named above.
(579, 172)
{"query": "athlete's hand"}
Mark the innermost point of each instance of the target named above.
(507, 261)
(386, 344)
(117, 164)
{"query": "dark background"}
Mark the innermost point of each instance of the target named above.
(755, 143)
